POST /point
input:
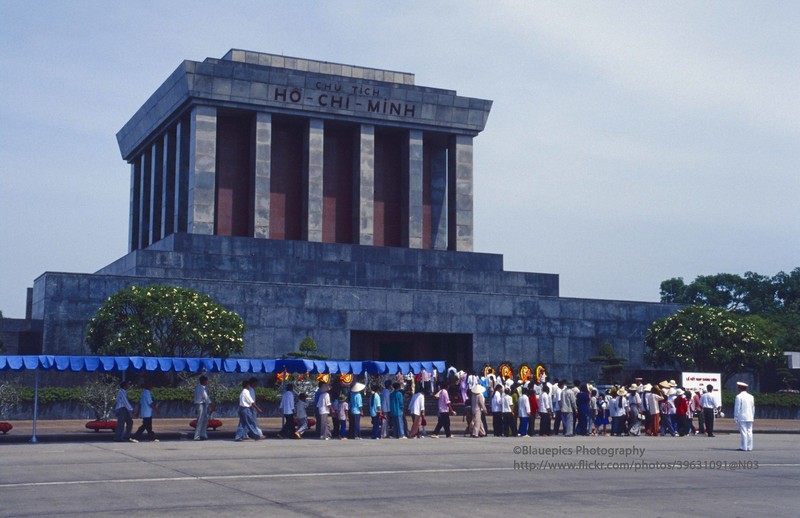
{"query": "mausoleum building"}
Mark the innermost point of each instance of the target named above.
(333, 201)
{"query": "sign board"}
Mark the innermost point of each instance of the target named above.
(695, 381)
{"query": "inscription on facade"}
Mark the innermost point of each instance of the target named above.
(341, 96)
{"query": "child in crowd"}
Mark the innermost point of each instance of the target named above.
(342, 413)
(302, 414)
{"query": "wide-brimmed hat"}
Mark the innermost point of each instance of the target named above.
(633, 387)
(648, 387)
(622, 392)
(358, 387)
(672, 383)
(672, 392)
(324, 387)
(664, 384)
(679, 392)
(570, 384)
(478, 389)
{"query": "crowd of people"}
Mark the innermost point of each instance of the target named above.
(397, 409)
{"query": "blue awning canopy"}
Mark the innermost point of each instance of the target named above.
(45, 362)
(249, 365)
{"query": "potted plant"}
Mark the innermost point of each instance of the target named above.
(100, 395)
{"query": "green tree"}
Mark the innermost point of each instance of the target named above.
(702, 338)
(776, 299)
(307, 349)
(611, 364)
(164, 321)
(673, 291)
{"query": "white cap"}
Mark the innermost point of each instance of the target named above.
(741, 384)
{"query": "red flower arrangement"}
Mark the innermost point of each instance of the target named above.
(213, 424)
(101, 425)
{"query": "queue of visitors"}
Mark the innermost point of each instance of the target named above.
(397, 409)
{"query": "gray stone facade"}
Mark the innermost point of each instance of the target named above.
(287, 290)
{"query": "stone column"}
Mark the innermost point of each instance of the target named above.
(181, 176)
(415, 175)
(313, 180)
(261, 177)
(202, 170)
(144, 199)
(156, 190)
(364, 160)
(438, 164)
(168, 184)
(459, 190)
(133, 222)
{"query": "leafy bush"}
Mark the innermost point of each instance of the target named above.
(73, 394)
(100, 395)
(766, 399)
(9, 398)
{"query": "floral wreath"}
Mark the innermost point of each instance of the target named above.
(524, 372)
(540, 372)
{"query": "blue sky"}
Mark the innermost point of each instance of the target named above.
(629, 142)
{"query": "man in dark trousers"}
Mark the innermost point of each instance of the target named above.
(709, 405)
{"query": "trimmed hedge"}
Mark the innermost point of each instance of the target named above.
(72, 394)
(775, 399)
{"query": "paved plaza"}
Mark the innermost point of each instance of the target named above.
(598, 476)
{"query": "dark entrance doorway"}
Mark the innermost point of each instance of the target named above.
(454, 349)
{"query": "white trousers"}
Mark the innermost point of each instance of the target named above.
(746, 434)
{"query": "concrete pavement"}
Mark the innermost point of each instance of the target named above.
(696, 476)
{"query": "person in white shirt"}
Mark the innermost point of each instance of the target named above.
(545, 412)
(146, 409)
(325, 409)
(123, 409)
(497, 410)
(619, 413)
(253, 385)
(509, 423)
(523, 411)
(287, 409)
(709, 406)
(744, 411)
(555, 400)
(246, 426)
(417, 409)
(202, 405)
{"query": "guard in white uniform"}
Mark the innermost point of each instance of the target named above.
(744, 410)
